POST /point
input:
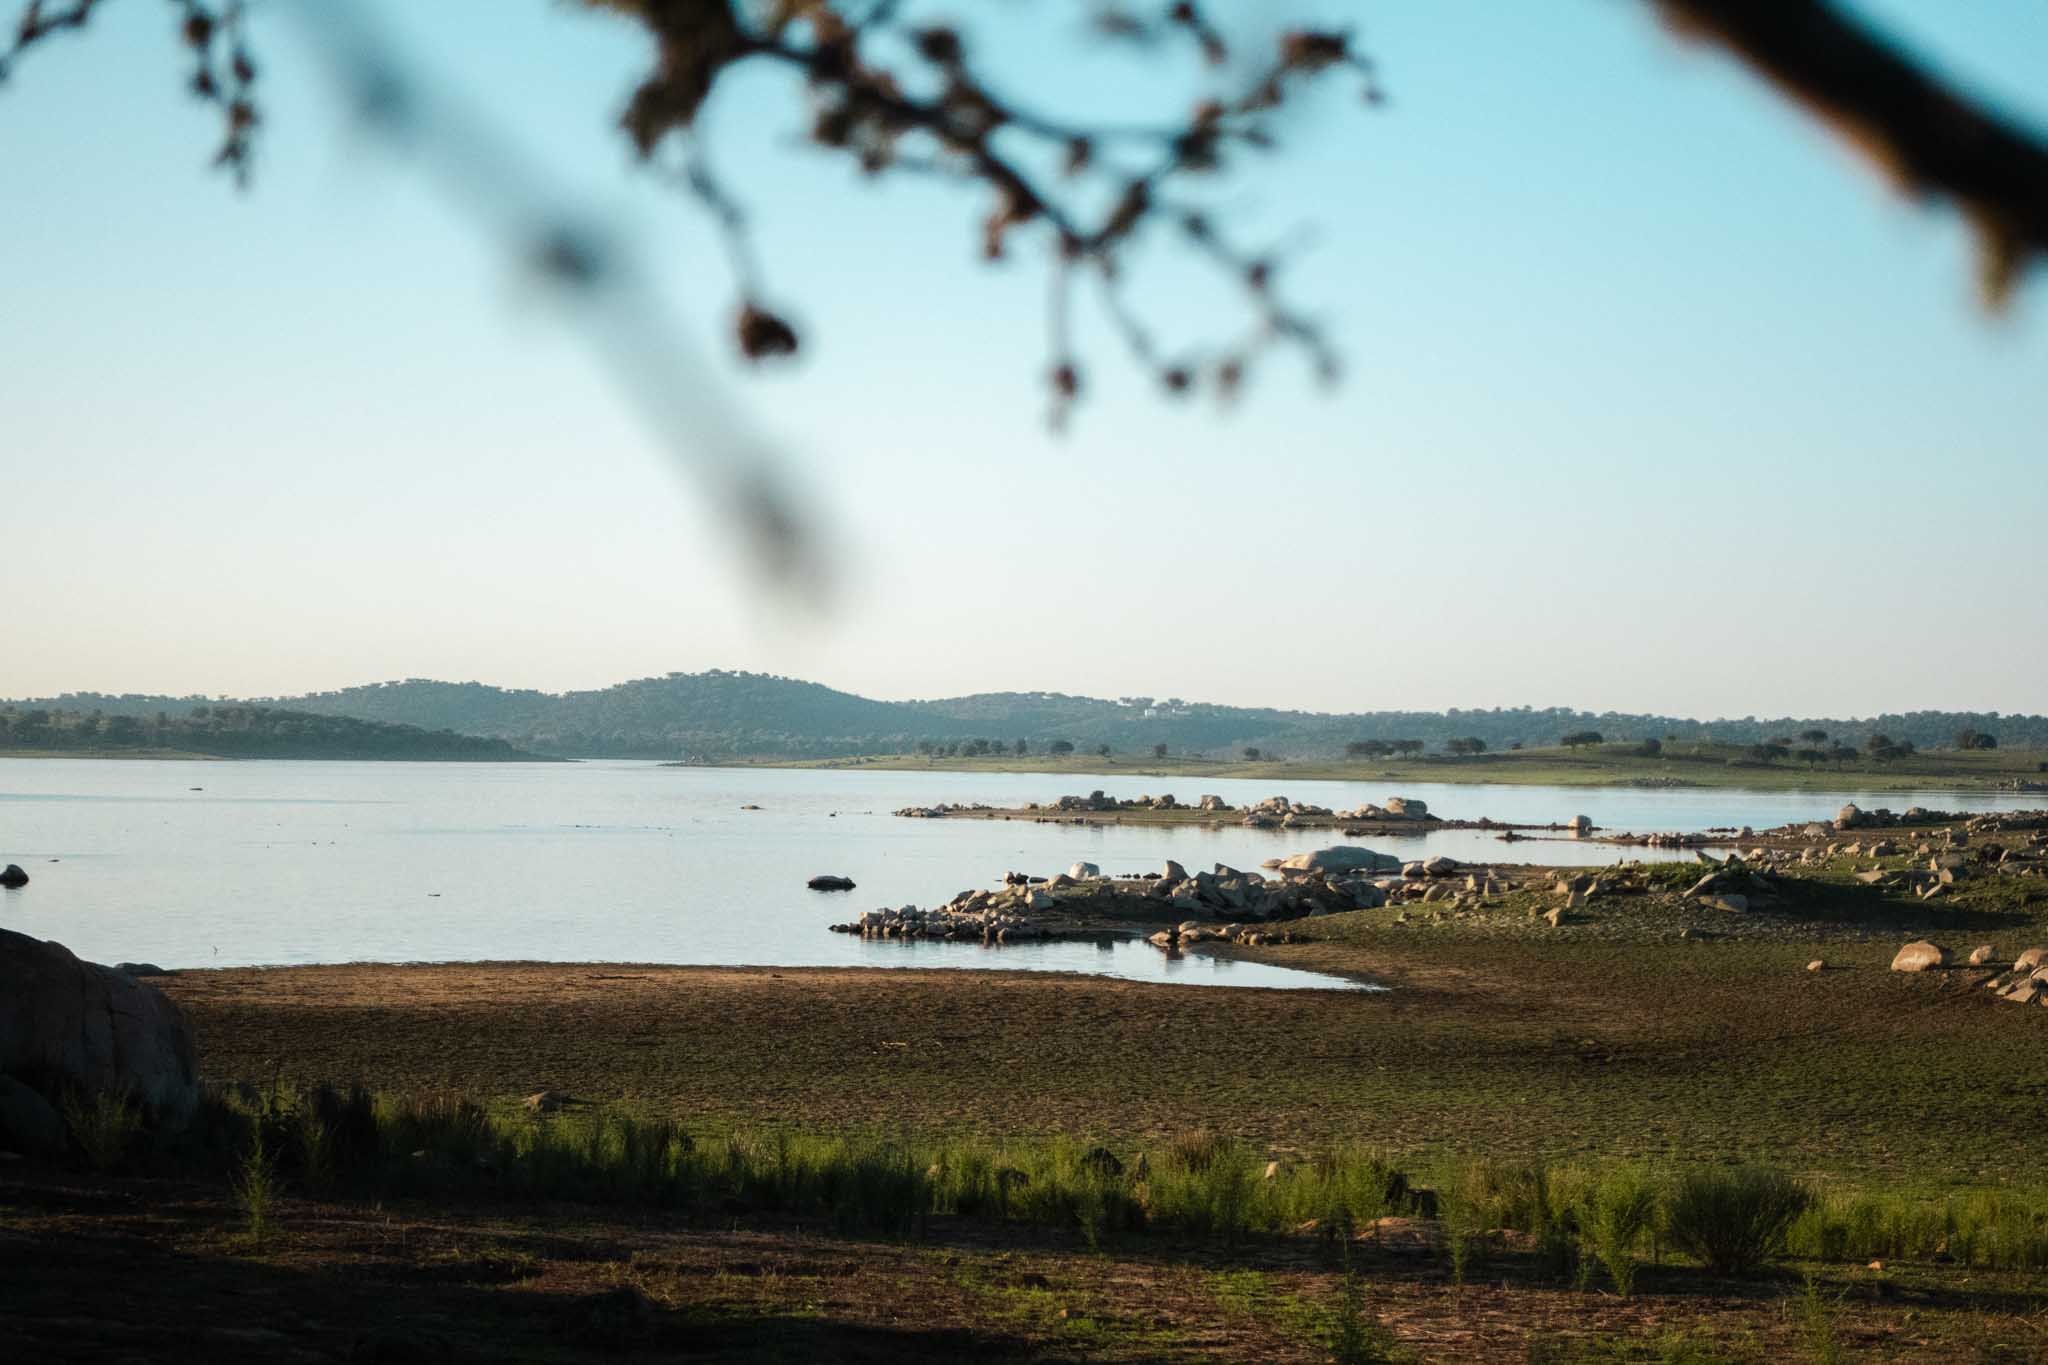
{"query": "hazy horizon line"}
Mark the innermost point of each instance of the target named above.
(281, 698)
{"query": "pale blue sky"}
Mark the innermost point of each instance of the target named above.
(1655, 400)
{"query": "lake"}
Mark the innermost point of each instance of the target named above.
(197, 864)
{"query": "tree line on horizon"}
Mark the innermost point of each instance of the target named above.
(236, 731)
(720, 714)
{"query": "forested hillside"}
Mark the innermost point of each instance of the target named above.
(234, 732)
(722, 714)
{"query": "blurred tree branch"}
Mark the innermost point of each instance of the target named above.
(1925, 137)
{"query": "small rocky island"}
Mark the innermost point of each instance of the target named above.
(1397, 816)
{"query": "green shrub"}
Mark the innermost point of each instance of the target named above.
(105, 1126)
(1616, 1213)
(1735, 1221)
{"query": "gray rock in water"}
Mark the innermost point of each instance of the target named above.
(28, 1122)
(1342, 858)
(92, 1028)
(1082, 872)
(12, 877)
(828, 882)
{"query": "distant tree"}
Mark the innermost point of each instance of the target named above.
(1103, 750)
(1782, 741)
(1251, 753)
(1877, 742)
(1061, 746)
(1650, 748)
(1515, 744)
(1408, 746)
(1580, 738)
(1357, 748)
(1768, 752)
(1840, 753)
(1021, 747)
(1811, 757)
(1465, 745)
(1814, 737)
(1159, 751)
(1967, 739)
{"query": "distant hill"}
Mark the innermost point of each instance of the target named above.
(720, 714)
(235, 731)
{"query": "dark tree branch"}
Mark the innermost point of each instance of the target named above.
(1925, 137)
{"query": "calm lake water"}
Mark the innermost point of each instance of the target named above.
(299, 862)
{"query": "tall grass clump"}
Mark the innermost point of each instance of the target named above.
(105, 1125)
(1737, 1221)
(255, 1186)
(1618, 1210)
(1817, 1325)
(1986, 1229)
(1355, 1336)
(1468, 1208)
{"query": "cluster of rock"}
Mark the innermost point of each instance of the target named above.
(1853, 816)
(942, 810)
(2027, 981)
(2024, 983)
(1277, 812)
(1081, 901)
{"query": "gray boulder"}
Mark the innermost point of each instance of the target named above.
(71, 1024)
(1082, 872)
(12, 877)
(1341, 858)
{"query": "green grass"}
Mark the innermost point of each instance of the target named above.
(450, 1148)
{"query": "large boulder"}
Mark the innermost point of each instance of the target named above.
(1406, 808)
(28, 1122)
(1849, 816)
(1341, 858)
(66, 1024)
(1084, 872)
(2028, 960)
(1919, 956)
(12, 877)
(1579, 826)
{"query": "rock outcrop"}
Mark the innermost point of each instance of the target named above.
(67, 1024)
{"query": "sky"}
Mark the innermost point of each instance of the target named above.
(1654, 400)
